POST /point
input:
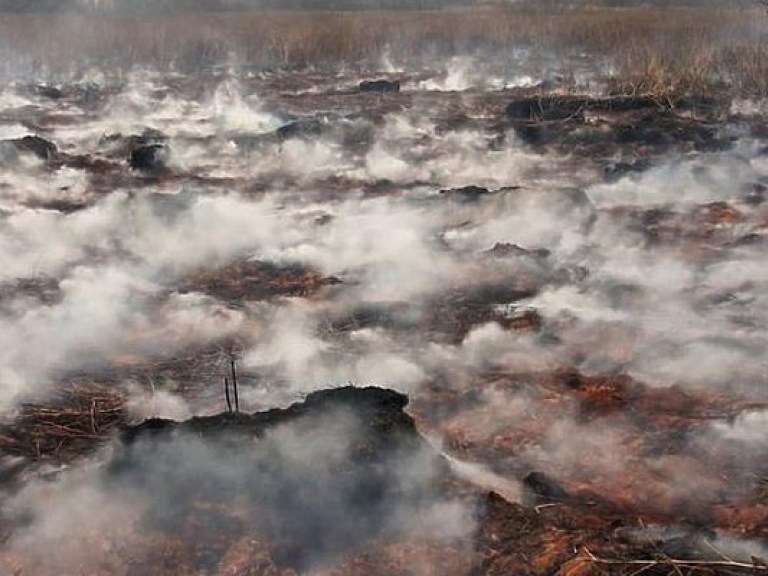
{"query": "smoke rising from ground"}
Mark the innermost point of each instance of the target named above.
(297, 484)
(656, 275)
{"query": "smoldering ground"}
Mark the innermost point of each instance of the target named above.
(316, 484)
(599, 320)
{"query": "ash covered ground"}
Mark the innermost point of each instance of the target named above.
(569, 287)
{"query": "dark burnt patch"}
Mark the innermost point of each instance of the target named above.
(539, 489)
(615, 171)
(63, 206)
(636, 127)
(379, 86)
(449, 316)
(250, 280)
(44, 290)
(146, 153)
(507, 250)
(303, 128)
(150, 158)
(316, 481)
(86, 95)
(392, 316)
(545, 108)
(466, 193)
(35, 145)
(703, 233)
(381, 409)
(456, 122)
(755, 194)
(455, 314)
(564, 106)
(48, 91)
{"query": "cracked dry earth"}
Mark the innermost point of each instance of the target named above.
(552, 311)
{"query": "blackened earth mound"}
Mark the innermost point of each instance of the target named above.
(316, 480)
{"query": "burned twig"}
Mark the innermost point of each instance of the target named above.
(78, 418)
(676, 564)
(226, 394)
(234, 382)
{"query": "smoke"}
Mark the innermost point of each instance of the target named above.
(657, 276)
(467, 72)
(300, 484)
(110, 287)
(747, 428)
(143, 405)
(76, 500)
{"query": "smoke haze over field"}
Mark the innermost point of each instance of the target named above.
(559, 257)
(151, 486)
(160, 6)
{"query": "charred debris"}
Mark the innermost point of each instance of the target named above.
(311, 488)
(241, 505)
(619, 133)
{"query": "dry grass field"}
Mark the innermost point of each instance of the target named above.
(648, 50)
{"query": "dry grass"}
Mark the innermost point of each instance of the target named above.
(77, 419)
(654, 50)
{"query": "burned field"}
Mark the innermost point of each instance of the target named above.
(487, 316)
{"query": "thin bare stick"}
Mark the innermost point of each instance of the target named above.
(94, 427)
(711, 546)
(673, 562)
(234, 382)
(226, 394)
